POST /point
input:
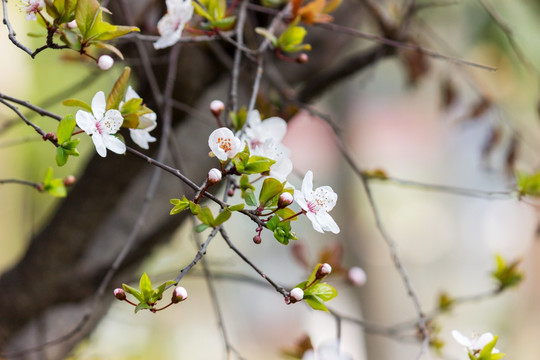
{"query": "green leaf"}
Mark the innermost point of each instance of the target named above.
(239, 119)
(65, 128)
(109, 47)
(249, 195)
(77, 103)
(145, 286)
(222, 217)
(179, 205)
(313, 276)
(507, 275)
(86, 13)
(131, 106)
(315, 303)
(70, 147)
(323, 291)
(54, 187)
(287, 213)
(201, 228)
(206, 217)
(273, 223)
(258, 164)
(201, 11)
(133, 292)
(267, 34)
(236, 207)
(292, 38)
(194, 208)
(119, 89)
(225, 23)
(142, 306)
(61, 156)
(271, 187)
(105, 31)
(528, 184)
(486, 353)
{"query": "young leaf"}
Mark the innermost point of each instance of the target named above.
(249, 195)
(206, 217)
(86, 12)
(273, 223)
(323, 291)
(222, 217)
(315, 303)
(61, 156)
(258, 164)
(119, 89)
(271, 187)
(145, 286)
(133, 292)
(65, 128)
(77, 103)
(142, 306)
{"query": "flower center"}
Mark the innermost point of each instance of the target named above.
(224, 144)
(314, 206)
(100, 127)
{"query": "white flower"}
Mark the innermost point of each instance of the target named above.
(329, 350)
(171, 25)
(264, 139)
(102, 125)
(105, 62)
(31, 7)
(224, 144)
(297, 294)
(317, 204)
(357, 276)
(476, 343)
(147, 122)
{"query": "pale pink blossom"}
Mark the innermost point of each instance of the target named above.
(171, 25)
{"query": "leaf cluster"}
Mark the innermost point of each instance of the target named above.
(146, 295)
(507, 274)
(55, 187)
(215, 11)
(487, 352)
(316, 292)
(68, 146)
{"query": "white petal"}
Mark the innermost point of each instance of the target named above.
(327, 222)
(147, 122)
(112, 121)
(483, 340)
(141, 137)
(326, 197)
(114, 144)
(307, 186)
(99, 105)
(86, 122)
(99, 144)
(131, 94)
(281, 169)
(461, 339)
(275, 128)
(253, 118)
(314, 222)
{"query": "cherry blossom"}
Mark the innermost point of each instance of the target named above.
(179, 294)
(224, 144)
(147, 122)
(171, 25)
(105, 62)
(475, 343)
(214, 176)
(316, 204)
(102, 125)
(357, 276)
(31, 7)
(297, 294)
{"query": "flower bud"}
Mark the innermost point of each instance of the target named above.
(120, 294)
(357, 276)
(302, 58)
(285, 199)
(69, 180)
(296, 294)
(214, 176)
(72, 24)
(257, 239)
(216, 107)
(179, 294)
(324, 269)
(231, 192)
(105, 62)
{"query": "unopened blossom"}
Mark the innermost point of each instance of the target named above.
(171, 25)
(105, 62)
(31, 7)
(325, 269)
(147, 122)
(317, 203)
(224, 144)
(216, 107)
(214, 176)
(297, 294)
(72, 24)
(102, 125)
(475, 343)
(357, 276)
(329, 350)
(285, 199)
(179, 294)
(119, 293)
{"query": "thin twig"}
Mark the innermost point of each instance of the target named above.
(35, 185)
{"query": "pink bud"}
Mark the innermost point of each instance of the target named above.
(179, 294)
(72, 24)
(302, 58)
(214, 176)
(357, 276)
(257, 239)
(69, 180)
(216, 107)
(105, 62)
(120, 294)
(285, 199)
(296, 294)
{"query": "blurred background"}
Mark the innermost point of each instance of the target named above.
(395, 117)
